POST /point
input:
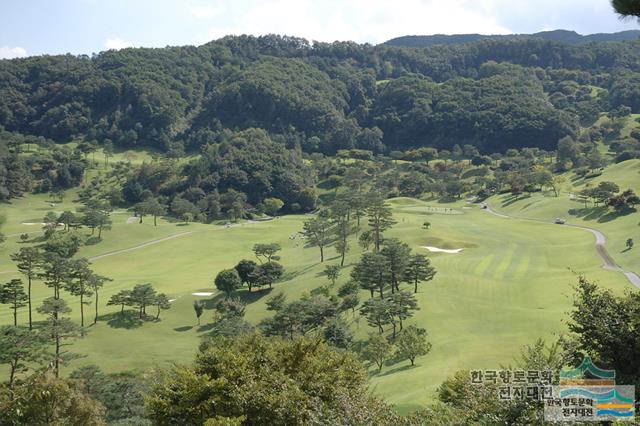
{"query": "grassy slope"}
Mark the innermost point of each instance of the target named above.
(509, 286)
(546, 206)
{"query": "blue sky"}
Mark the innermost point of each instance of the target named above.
(33, 27)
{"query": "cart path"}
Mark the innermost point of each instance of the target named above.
(140, 246)
(609, 262)
(169, 237)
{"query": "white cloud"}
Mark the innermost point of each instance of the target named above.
(7, 52)
(375, 21)
(362, 20)
(117, 43)
(206, 12)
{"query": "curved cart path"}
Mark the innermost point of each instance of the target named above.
(601, 240)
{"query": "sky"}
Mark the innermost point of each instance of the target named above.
(35, 27)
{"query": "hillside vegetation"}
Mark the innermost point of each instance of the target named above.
(492, 94)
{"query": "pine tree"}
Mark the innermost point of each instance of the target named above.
(28, 262)
(380, 219)
(12, 293)
(418, 270)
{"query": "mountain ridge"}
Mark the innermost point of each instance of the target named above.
(563, 36)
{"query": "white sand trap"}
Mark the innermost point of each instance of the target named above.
(33, 223)
(172, 300)
(202, 293)
(441, 250)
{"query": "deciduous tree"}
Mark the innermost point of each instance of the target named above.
(21, 348)
(377, 349)
(332, 272)
(228, 281)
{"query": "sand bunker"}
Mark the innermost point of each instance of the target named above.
(33, 223)
(202, 293)
(441, 250)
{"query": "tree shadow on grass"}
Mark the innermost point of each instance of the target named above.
(205, 327)
(129, 319)
(183, 328)
(513, 199)
(601, 214)
(291, 274)
(614, 215)
(254, 295)
(210, 304)
(396, 370)
(244, 294)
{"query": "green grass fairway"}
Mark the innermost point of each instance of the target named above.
(510, 285)
(545, 206)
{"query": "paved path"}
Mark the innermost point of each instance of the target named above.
(609, 262)
(138, 247)
(170, 237)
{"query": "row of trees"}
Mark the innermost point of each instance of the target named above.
(56, 272)
(141, 297)
(95, 215)
(608, 194)
(253, 274)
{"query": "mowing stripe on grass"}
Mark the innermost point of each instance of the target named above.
(496, 258)
(504, 262)
(523, 266)
(483, 265)
(516, 260)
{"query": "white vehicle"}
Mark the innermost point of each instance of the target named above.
(559, 221)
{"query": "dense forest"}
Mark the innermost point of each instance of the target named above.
(321, 97)
(250, 112)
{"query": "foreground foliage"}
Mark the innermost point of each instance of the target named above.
(267, 381)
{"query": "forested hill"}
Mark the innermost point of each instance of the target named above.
(562, 36)
(493, 94)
